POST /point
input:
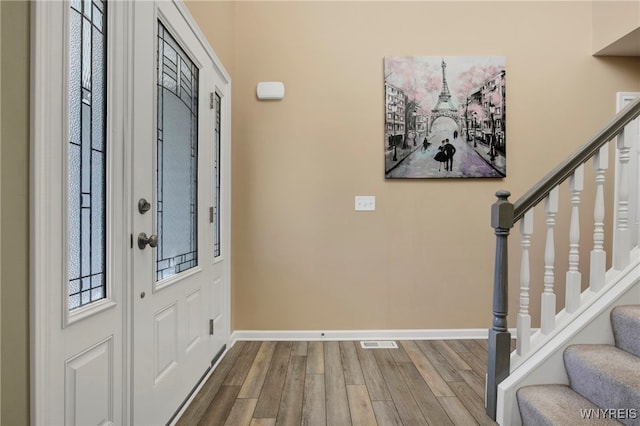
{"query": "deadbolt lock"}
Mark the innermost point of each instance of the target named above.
(143, 206)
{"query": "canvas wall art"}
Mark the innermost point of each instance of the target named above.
(445, 117)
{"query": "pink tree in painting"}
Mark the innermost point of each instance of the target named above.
(418, 79)
(473, 79)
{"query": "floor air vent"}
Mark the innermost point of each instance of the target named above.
(378, 344)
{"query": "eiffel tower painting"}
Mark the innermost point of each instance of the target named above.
(445, 117)
(445, 106)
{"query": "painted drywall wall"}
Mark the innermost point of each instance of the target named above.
(0, 216)
(302, 257)
(219, 19)
(14, 319)
(616, 27)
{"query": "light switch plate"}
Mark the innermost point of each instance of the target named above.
(365, 203)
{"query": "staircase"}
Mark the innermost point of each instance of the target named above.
(604, 381)
(573, 359)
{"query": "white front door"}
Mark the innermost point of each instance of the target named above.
(175, 291)
(121, 332)
(79, 304)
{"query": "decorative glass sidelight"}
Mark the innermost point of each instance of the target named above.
(87, 153)
(216, 200)
(177, 159)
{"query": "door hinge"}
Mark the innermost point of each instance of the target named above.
(131, 241)
(211, 101)
(210, 214)
(211, 327)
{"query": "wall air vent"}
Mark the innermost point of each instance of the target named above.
(378, 344)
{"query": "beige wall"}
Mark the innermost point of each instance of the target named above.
(219, 18)
(14, 321)
(0, 216)
(303, 259)
(616, 27)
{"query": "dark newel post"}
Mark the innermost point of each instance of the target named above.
(499, 336)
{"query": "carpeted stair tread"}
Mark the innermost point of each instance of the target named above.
(605, 375)
(625, 321)
(552, 405)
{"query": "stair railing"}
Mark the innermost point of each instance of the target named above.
(504, 215)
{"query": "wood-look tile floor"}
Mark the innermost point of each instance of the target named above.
(430, 382)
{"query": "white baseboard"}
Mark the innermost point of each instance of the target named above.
(329, 335)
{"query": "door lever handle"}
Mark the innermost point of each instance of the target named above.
(144, 240)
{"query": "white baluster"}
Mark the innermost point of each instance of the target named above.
(574, 278)
(635, 185)
(548, 301)
(523, 334)
(621, 239)
(598, 255)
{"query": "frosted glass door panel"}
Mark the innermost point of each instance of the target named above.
(177, 150)
(87, 153)
(217, 171)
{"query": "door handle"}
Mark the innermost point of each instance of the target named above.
(143, 240)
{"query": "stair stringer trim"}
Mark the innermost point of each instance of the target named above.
(546, 366)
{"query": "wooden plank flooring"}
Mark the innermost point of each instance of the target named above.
(431, 382)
